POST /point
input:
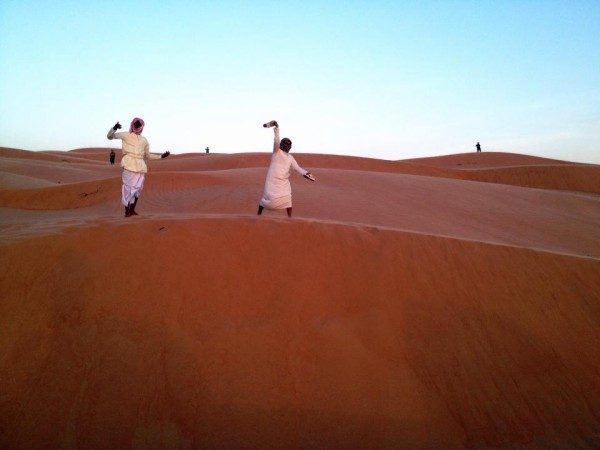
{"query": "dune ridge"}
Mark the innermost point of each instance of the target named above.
(505, 168)
(408, 304)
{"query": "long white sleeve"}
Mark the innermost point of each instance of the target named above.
(148, 154)
(276, 139)
(297, 168)
(112, 134)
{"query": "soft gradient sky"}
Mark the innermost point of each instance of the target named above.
(384, 79)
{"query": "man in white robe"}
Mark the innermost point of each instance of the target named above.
(278, 191)
(135, 151)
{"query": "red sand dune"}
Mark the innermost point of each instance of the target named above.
(408, 304)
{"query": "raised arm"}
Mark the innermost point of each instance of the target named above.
(273, 124)
(112, 133)
(276, 139)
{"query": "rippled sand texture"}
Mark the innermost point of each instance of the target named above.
(447, 302)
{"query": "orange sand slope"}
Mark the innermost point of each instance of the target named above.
(408, 304)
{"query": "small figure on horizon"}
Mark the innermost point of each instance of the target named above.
(135, 151)
(478, 147)
(207, 150)
(278, 190)
(112, 156)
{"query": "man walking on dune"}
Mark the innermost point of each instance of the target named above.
(135, 151)
(278, 191)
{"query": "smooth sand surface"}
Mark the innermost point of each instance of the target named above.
(447, 302)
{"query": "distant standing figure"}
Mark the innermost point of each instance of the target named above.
(207, 150)
(278, 191)
(135, 151)
(112, 156)
(478, 147)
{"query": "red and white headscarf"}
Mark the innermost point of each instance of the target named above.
(136, 129)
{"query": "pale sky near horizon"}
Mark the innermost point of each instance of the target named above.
(381, 79)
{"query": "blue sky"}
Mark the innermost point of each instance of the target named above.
(383, 79)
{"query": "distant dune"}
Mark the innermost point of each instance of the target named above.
(447, 302)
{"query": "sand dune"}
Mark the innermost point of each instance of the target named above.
(488, 160)
(408, 304)
(498, 168)
(518, 170)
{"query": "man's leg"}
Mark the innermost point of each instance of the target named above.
(260, 210)
(132, 207)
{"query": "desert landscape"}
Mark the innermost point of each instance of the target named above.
(443, 302)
